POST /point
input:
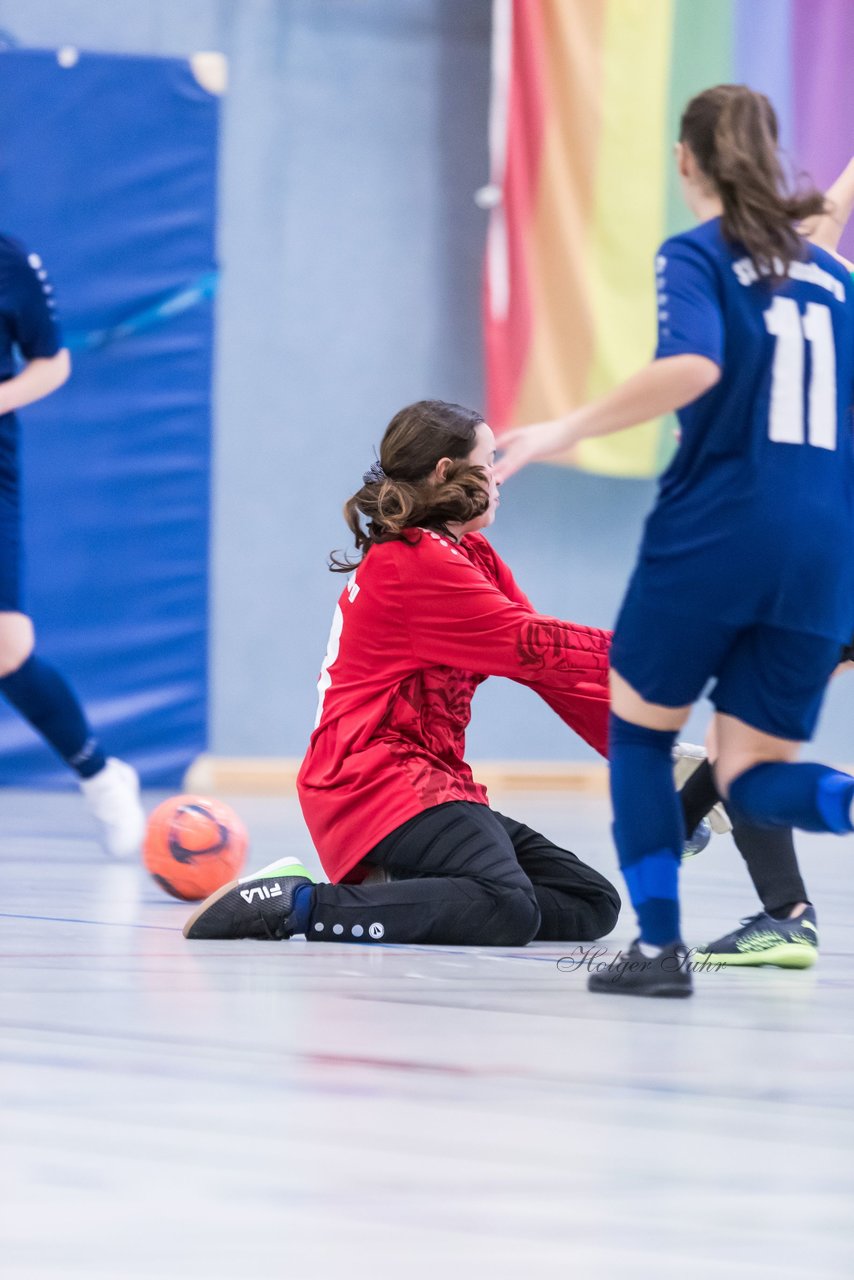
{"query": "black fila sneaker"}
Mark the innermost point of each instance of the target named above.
(256, 906)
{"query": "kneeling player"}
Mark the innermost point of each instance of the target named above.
(407, 837)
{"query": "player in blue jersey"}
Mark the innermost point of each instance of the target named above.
(785, 931)
(29, 336)
(745, 572)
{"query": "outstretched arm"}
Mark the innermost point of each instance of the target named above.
(827, 229)
(36, 380)
(688, 362)
(457, 618)
(664, 385)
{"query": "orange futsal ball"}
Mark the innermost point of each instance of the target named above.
(193, 845)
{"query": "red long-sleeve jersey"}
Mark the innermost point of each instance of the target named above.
(421, 623)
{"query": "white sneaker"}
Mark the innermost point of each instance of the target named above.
(112, 797)
(687, 758)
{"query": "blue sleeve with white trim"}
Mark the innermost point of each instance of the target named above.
(27, 301)
(690, 316)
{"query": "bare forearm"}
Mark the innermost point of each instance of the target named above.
(659, 388)
(37, 380)
(662, 386)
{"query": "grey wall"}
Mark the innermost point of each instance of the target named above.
(354, 137)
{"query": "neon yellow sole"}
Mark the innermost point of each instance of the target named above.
(788, 955)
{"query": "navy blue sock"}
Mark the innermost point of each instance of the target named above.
(648, 827)
(809, 796)
(47, 702)
(302, 908)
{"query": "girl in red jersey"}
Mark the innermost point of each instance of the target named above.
(407, 837)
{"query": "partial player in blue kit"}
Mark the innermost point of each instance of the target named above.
(745, 572)
(30, 337)
(785, 931)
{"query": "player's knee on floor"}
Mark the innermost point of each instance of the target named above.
(604, 906)
(514, 922)
(581, 919)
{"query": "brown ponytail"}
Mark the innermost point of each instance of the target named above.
(402, 492)
(732, 133)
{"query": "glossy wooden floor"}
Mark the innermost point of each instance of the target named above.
(172, 1109)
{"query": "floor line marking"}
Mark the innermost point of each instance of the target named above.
(107, 924)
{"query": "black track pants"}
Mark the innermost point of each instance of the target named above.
(464, 875)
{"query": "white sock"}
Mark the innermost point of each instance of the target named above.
(647, 949)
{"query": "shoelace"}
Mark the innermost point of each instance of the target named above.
(763, 915)
(275, 932)
(753, 919)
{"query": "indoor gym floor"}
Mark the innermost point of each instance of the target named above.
(174, 1109)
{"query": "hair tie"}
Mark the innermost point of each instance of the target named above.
(374, 474)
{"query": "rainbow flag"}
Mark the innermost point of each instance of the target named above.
(587, 96)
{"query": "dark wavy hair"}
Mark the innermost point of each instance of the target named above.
(733, 134)
(404, 491)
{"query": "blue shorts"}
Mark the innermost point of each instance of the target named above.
(771, 678)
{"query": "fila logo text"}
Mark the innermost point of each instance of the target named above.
(261, 891)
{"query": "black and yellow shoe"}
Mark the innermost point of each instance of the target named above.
(762, 939)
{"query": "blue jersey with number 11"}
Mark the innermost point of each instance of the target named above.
(755, 515)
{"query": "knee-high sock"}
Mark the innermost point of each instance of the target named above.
(48, 703)
(769, 853)
(809, 796)
(648, 828)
